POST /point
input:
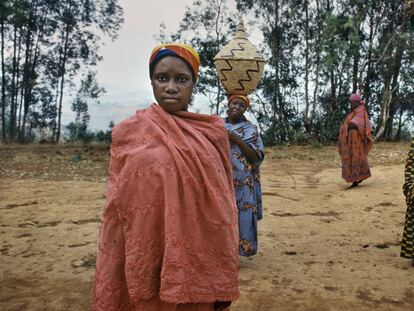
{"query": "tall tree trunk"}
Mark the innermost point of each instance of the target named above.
(21, 109)
(333, 101)
(12, 125)
(394, 88)
(369, 76)
(333, 89)
(17, 86)
(388, 132)
(218, 97)
(26, 83)
(32, 75)
(355, 72)
(278, 100)
(3, 84)
(400, 123)
(306, 118)
(385, 106)
(54, 130)
(62, 81)
(55, 120)
(391, 89)
(357, 53)
(318, 59)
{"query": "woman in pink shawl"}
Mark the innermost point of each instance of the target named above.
(355, 141)
(169, 237)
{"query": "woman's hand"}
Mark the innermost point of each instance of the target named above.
(221, 305)
(233, 138)
(352, 126)
(248, 151)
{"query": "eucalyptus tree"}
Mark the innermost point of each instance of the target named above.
(279, 22)
(78, 43)
(394, 51)
(4, 16)
(333, 48)
(45, 46)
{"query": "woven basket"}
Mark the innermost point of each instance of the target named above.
(239, 64)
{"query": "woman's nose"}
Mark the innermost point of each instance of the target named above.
(171, 86)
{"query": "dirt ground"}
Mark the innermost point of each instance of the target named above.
(322, 246)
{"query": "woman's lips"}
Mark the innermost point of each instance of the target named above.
(170, 100)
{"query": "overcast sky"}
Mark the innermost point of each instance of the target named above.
(124, 69)
(126, 60)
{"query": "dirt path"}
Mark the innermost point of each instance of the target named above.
(322, 247)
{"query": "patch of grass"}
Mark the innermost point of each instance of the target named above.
(90, 162)
(382, 153)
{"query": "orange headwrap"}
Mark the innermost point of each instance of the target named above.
(185, 52)
(243, 97)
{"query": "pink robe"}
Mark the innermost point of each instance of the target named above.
(354, 145)
(169, 238)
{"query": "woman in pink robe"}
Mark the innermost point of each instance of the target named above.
(355, 142)
(169, 237)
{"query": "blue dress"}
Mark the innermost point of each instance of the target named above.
(246, 179)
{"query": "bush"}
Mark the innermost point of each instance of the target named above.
(78, 131)
(301, 139)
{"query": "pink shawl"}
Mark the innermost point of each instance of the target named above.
(360, 118)
(170, 222)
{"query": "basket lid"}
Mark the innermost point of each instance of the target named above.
(240, 48)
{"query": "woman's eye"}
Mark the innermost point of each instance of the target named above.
(182, 79)
(161, 78)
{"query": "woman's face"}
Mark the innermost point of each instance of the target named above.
(237, 107)
(172, 84)
(354, 104)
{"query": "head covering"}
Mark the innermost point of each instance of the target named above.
(183, 51)
(243, 97)
(355, 98)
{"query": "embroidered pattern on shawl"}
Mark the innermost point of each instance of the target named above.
(170, 221)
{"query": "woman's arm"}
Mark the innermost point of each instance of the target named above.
(248, 151)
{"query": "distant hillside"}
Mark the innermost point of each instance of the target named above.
(115, 105)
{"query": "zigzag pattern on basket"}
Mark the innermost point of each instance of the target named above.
(257, 70)
(250, 78)
(258, 55)
(234, 49)
(226, 69)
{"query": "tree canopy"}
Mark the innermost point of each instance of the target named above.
(45, 45)
(318, 52)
